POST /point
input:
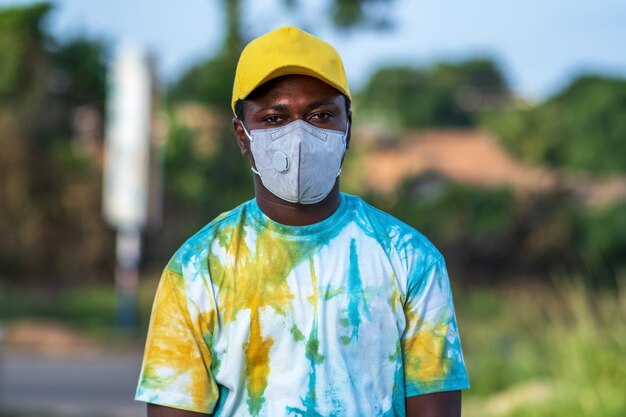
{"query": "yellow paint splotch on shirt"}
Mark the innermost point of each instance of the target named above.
(178, 344)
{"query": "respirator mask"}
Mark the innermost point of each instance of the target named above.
(298, 162)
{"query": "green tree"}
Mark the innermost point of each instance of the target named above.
(20, 40)
(447, 94)
(50, 191)
(580, 128)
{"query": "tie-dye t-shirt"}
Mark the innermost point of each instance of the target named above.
(345, 317)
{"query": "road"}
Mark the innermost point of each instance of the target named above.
(101, 386)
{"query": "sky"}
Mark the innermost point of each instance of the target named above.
(540, 45)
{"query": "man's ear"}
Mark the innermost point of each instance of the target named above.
(242, 139)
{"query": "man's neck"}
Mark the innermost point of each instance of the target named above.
(295, 214)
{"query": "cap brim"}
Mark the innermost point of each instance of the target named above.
(294, 70)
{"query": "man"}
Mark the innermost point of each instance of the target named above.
(303, 301)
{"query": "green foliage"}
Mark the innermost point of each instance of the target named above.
(210, 82)
(580, 128)
(544, 351)
(445, 95)
(455, 211)
(201, 178)
(20, 37)
(80, 71)
(199, 185)
(49, 188)
(602, 241)
(89, 309)
(492, 234)
(494, 336)
(348, 14)
(477, 229)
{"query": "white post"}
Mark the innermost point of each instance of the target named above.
(127, 172)
(128, 250)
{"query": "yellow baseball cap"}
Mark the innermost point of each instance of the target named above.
(287, 51)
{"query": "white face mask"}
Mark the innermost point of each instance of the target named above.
(298, 162)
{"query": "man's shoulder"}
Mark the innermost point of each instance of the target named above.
(200, 242)
(374, 215)
(388, 228)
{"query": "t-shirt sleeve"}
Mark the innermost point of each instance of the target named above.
(431, 348)
(177, 361)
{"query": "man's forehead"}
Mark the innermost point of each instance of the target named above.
(295, 84)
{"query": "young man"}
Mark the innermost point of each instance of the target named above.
(303, 301)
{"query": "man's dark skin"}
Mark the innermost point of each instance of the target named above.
(276, 103)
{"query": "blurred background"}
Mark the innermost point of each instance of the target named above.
(498, 129)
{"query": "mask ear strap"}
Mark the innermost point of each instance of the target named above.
(345, 136)
(249, 137)
(245, 131)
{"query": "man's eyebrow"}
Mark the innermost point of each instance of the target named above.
(284, 108)
(277, 107)
(324, 102)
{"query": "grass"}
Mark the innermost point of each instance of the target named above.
(533, 351)
(91, 310)
(539, 352)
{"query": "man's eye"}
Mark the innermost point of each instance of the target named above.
(321, 116)
(272, 119)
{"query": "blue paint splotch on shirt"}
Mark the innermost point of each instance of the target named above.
(357, 307)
